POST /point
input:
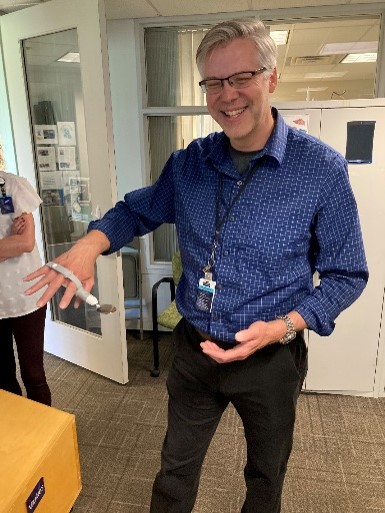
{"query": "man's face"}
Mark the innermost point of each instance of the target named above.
(244, 114)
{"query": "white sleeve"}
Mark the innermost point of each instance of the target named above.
(24, 197)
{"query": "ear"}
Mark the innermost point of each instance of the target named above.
(273, 81)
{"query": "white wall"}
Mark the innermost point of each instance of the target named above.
(355, 342)
(125, 105)
(6, 137)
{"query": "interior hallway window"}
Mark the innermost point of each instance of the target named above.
(172, 80)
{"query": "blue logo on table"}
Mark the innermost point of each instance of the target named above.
(35, 497)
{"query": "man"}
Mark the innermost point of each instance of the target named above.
(258, 209)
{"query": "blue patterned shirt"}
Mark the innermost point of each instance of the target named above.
(296, 215)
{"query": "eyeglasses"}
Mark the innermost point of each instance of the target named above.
(238, 81)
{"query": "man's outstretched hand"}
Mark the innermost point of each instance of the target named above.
(80, 260)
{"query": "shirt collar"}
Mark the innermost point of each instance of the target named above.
(276, 144)
(219, 153)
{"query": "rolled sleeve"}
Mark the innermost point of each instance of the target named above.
(340, 258)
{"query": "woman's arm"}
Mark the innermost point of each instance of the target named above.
(21, 240)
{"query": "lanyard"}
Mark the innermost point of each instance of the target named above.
(219, 222)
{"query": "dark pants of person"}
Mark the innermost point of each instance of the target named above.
(263, 388)
(28, 332)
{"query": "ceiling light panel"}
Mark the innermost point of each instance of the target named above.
(326, 74)
(343, 48)
(280, 36)
(310, 89)
(359, 58)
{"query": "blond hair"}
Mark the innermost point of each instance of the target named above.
(2, 161)
(252, 29)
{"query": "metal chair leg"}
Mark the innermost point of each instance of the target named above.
(155, 344)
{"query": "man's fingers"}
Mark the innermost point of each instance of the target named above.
(42, 271)
(68, 294)
(52, 281)
(236, 353)
(87, 285)
(221, 355)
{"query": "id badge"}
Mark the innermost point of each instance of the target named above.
(205, 295)
(6, 205)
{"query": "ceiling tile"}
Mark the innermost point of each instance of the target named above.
(287, 4)
(188, 7)
(141, 8)
(118, 9)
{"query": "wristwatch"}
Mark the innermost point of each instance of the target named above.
(290, 333)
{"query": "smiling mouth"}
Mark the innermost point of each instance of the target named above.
(234, 113)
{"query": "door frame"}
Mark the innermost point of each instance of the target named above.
(106, 354)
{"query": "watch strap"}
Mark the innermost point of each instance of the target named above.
(290, 330)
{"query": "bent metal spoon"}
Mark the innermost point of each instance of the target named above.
(81, 292)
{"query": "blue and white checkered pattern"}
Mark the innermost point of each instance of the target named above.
(296, 215)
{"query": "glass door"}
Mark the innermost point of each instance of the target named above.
(57, 75)
(55, 97)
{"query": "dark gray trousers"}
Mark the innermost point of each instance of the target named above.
(264, 390)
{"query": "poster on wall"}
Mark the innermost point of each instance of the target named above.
(66, 133)
(45, 134)
(80, 198)
(52, 192)
(298, 121)
(66, 157)
(85, 195)
(70, 195)
(70, 179)
(52, 197)
(46, 158)
(51, 180)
